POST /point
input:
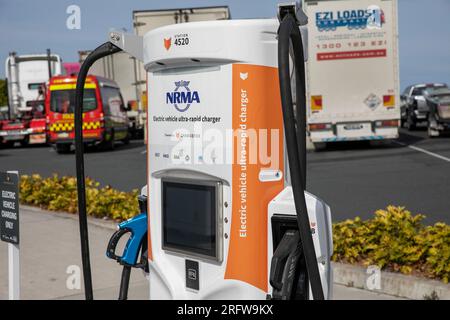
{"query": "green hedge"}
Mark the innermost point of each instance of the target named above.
(60, 194)
(394, 239)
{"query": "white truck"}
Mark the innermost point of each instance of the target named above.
(352, 70)
(27, 76)
(129, 73)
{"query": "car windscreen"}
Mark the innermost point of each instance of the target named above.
(419, 91)
(63, 101)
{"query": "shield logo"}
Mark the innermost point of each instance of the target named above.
(167, 43)
(243, 75)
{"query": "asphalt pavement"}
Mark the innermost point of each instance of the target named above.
(123, 168)
(355, 179)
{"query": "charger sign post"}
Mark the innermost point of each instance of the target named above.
(9, 228)
(9, 206)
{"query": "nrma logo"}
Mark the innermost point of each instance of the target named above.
(182, 97)
(370, 18)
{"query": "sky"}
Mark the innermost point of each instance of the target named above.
(32, 26)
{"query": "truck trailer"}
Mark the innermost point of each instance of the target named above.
(27, 76)
(352, 70)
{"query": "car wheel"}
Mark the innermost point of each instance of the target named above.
(403, 116)
(109, 144)
(410, 123)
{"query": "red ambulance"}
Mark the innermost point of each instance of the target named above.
(104, 113)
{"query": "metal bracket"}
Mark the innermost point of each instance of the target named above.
(130, 43)
(295, 9)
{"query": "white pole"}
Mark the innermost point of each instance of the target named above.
(14, 271)
(14, 265)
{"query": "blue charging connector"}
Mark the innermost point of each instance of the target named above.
(137, 227)
(137, 242)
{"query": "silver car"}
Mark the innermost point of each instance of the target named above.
(414, 108)
(438, 102)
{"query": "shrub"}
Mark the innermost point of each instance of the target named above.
(60, 194)
(395, 240)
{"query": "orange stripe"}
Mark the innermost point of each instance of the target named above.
(247, 256)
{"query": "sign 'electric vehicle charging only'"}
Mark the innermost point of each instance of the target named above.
(9, 207)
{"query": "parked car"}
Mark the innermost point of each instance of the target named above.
(438, 102)
(414, 108)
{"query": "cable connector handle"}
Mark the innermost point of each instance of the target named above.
(294, 9)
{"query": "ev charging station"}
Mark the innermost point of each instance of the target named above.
(225, 214)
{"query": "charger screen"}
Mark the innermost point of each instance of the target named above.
(189, 218)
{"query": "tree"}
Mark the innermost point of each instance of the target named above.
(3, 93)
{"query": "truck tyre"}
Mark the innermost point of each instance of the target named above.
(319, 146)
(7, 144)
(62, 148)
(126, 141)
(380, 143)
(402, 122)
(24, 142)
(141, 133)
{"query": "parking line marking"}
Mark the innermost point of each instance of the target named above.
(424, 151)
(144, 152)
